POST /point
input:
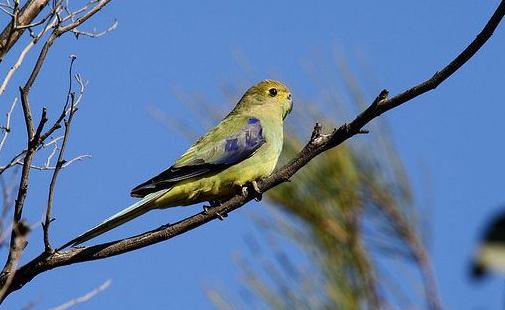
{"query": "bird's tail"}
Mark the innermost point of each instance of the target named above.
(117, 219)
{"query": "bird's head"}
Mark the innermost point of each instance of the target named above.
(269, 96)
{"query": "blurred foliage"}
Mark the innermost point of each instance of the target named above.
(332, 197)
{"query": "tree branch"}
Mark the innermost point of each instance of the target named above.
(15, 250)
(28, 47)
(21, 231)
(317, 144)
(13, 31)
(7, 128)
(60, 161)
(35, 137)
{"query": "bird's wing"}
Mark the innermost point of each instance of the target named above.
(232, 141)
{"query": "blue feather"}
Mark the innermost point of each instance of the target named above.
(243, 144)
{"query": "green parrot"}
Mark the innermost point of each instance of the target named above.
(242, 148)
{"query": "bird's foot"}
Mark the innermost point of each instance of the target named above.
(221, 216)
(245, 191)
(212, 204)
(259, 194)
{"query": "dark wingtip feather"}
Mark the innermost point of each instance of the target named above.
(72, 243)
(142, 190)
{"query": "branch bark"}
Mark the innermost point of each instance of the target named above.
(318, 143)
(13, 31)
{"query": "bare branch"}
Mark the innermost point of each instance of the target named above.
(47, 165)
(15, 250)
(94, 33)
(7, 128)
(34, 135)
(21, 231)
(13, 31)
(28, 47)
(60, 161)
(57, 32)
(50, 157)
(82, 19)
(7, 9)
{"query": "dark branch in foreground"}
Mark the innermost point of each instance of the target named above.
(318, 143)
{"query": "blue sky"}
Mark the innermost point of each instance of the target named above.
(451, 140)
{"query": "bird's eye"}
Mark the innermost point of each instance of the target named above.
(272, 92)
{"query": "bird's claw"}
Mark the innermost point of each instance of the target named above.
(255, 187)
(257, 192)
(212, 204)
(245, 191)
(221, 216)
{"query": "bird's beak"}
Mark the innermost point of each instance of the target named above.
(290, 107)
(286, 112)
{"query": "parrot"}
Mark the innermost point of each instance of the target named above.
(243, 148)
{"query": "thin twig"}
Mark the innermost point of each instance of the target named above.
(94, 33)
(13, 31)
(69, 304)
(7, 127)
(47, 165)
(60, 161)
(15, 250)
(22, 55)
(19, 158)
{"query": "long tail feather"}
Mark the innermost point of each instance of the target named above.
(117, 219)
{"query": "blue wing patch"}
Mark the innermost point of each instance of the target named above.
(232, 150)
(243, 144)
